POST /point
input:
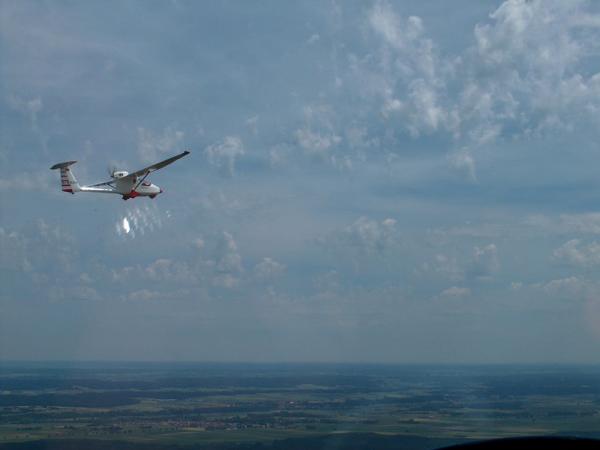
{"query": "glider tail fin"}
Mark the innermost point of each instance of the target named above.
(67, 179)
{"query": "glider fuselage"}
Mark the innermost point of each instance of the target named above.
(131, 187)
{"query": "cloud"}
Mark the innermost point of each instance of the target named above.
(585, 223)
(447, 267)
(228, 259)
(524, 75)
(159, 271)
(519, 32)
(54, 243)
(531, 55)
(516, 285)
(252, 124)
(27, 181)
(417, 58)
(576, 253)
(226, 280)
(413, 74)
(313, 39)
(42, 254)
(153, 146)
(581, 223)
(318, 138)
(167, 270)
(365, 235)
(228, 267)
(464, 164)
(314, 143)
(328, 282)
(278, 155)
(14, 251)
(74, 293)
(31, 108)
(485, 261)
(144, 295)
(471, 230)
(224, 154)
(426, 114)
(455, 292)
(199, 243)
(268, 269)
(357, 137)
(223, 269)
(569, 286)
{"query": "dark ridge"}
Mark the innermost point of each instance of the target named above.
(345, 441)
(349, 441)
(531, 443)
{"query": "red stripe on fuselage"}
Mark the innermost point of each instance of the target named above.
(132, 194)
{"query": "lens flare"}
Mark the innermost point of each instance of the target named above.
(125, 225)
(140, 220)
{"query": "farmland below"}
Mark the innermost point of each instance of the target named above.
(270, 406)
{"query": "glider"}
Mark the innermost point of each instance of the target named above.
(128, 185)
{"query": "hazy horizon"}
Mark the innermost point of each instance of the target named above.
(292, 362)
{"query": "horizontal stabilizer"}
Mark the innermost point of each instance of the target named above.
(62, 165)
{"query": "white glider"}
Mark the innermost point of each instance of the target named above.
(128, 185)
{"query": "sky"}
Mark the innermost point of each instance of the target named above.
(369, 181)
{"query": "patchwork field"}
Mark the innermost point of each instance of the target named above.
(208, 405)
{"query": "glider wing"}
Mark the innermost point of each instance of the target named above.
(146, 170)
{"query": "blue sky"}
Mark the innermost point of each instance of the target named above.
(369, 181)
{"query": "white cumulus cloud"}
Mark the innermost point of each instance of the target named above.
(223, 155)
(227, 256)
(268, 268)
(153, 146)
(577, 253)
(364, 237)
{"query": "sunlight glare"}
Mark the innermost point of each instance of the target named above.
(125, 225)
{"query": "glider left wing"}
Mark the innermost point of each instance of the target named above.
(146, 170)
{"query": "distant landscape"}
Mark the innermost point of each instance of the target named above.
(147, 406)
